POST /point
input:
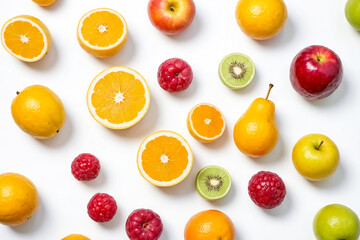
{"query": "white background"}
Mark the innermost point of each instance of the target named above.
(68, 71)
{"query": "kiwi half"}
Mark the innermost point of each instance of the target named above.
(236, 70)
(213, 182)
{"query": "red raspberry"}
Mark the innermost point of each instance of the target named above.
(174, 75)
(102, 207)
(266, 189)
(85, 167)
(143, 224)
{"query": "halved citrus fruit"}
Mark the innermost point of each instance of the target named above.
(26, 38)
(118, 97)
(205, 122)
(164, 158)
(102, 32)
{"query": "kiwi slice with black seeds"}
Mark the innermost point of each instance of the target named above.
(213, 182)
(236, 70)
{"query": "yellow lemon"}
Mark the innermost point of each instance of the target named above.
(44, 3)
(261, 19)
(18, 197)
(38, 111)
(75, 237)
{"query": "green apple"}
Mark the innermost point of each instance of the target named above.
(352, 13)
(336, 222)
(315, 157)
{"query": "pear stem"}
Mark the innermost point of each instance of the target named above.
(318, 147)
(268, 93)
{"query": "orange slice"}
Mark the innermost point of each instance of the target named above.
(102, 32)
(164, 158)
(26, 38)
(118, 97)
(205, 122)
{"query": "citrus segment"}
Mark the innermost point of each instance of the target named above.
(102, 32)
(164, 158)
(118, 97)
(26, 38)
(205, 122)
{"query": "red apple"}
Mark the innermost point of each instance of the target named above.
(171, 16)
(316, 72)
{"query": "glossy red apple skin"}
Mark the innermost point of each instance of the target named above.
(171, 16)
(316, 72)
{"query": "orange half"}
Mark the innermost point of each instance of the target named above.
(205, 122)
(26, 38)
(118, 97)
(164, 158)
(102, 32)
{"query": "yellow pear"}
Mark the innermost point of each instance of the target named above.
(256, 132)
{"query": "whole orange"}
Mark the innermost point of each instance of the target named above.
(209, 224)
(261, 19)
(19, 199)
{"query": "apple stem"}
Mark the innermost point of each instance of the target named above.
(172, 9)
(318, 148)
(268, 93)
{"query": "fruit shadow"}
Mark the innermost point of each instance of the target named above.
(145, 126)
(187, 186)
(115, 222)
(219, 143)
(274, 156)
(283, 37)
(334, 98)
(165, 235)
(188, 92)
(34, 223)
(99, 181)
(60, 138)
(47, 62)
(53, 7)
(282, 209)
(122, 57)
(333, 181)
(189, 33)
(227, 199)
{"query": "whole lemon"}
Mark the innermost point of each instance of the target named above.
(209, 224)
(38, 111)
(18, 197)
(44, 3)
(261, 19)
(75, 237)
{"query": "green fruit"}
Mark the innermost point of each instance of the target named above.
(213, 182)
(334, 222)
(236, 70)
(352, 13)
